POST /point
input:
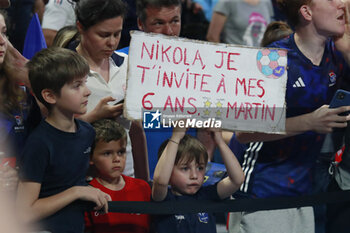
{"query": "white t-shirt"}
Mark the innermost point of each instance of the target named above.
(58, 14)
(116, 88)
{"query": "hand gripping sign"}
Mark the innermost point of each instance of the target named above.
(171, 78)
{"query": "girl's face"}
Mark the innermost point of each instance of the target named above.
(328, 16)
(100, 40)
(3, 39)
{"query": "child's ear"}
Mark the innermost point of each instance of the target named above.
(91, 162)
(49, 96)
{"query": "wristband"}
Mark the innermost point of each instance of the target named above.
(170, 140)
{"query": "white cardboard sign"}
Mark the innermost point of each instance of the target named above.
(242, 87)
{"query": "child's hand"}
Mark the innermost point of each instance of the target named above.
(95, 195)
(216, 135)
(178, 132)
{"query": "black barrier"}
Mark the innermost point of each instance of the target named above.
(236, 205)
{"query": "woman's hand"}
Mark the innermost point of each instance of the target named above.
(106, 110)
(103, 110)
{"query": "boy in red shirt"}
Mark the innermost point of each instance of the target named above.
(108, 161)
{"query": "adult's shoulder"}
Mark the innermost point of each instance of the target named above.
(119, 58)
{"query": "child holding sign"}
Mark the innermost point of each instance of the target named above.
(182, 164)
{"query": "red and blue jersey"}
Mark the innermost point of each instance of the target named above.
(283, 167)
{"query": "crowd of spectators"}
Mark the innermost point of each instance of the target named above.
(62, 123)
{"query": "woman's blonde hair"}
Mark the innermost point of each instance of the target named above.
(65, 36)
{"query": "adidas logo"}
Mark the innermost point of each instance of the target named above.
(299, 83)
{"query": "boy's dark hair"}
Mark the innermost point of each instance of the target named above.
(141, 6)
(189, 149)
(108, 130)
(91, 12)
(275, 31)
(52, 68)
(291, 8)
